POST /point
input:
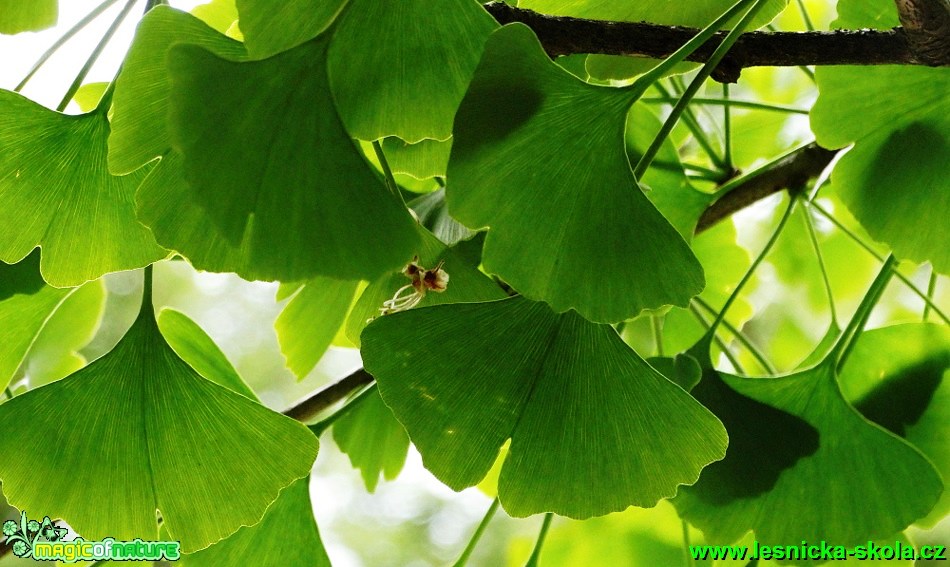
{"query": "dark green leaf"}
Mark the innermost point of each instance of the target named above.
(594, 429)
(569, 224)
(310, 195)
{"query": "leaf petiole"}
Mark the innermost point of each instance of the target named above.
(463, 559)
(94, 56)
(536, 554)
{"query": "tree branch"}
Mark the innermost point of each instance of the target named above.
(927, 27)
(307, 410)
(561, 35)
(793, 171)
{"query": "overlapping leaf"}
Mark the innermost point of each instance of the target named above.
(898, 117)
(593, 428)
(26, 303)
(373, 440)
(412, 87)
(538, 157)
(310, 195)
(162, 437)
(286, 536)
(899, 378)
(56, 190)
(307, 325)
(271, 28)
(140, 111)
(434, 215)
(27, 15)
(787, 436)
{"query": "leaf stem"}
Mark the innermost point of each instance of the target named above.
(694, 85)
(849, 337)
(321, 426)
(387, 172)
(8, 392)
(867, 247)
(536, 554)
(736, 365)
(752, 105)
(657, 327)
(727, 130)
(147, 307)
(77, 27)
(931, 288)
(813, 237)
(463, 559)
(755, 263)
(94, 56)
(756, 353)
(689, 120)
(805, 17)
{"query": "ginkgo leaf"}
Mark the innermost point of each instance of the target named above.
(374, 441)
(665, 181)
(286, 536)
(412, 87)
(696, 13)
(307, 325)
(27, 15)
(307, 206)
(194, 346)
(26, 303)
(428, 158)
(787, 436)
(594, 429)
(55, 352)
(898, 118)
(140, 106)
(434, 215)
(56, 189)
(219, 14)
(569, 224)
(899, 378)
(163, 438)
(466, 284)
(270, 28)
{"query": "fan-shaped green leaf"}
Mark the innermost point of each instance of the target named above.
(412, 85)
(308, 205)
(307, 325)
(374, 441)
(466, 284)
(163, 438)
(898, 117)
(27, 15)
(593, 428)
(787, 436)
(140, 107)
(26, 303)
(569, 224)
(55, 188)
(194, 346)
(270, 28)
(287, 536)
(899, 378)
